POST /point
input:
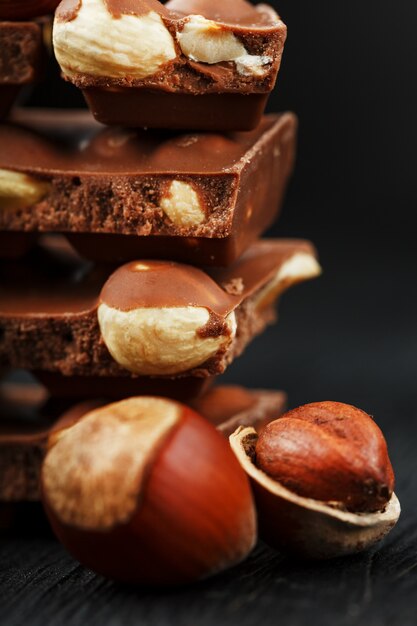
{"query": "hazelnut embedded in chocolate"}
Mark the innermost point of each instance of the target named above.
(182, 205)
(162, 318)
(145, 309)
(98, 41)
(221, 190)
(142, 62)
(18, 190)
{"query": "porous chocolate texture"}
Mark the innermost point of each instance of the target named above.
(123, 194)
(28, 419)
(21, 56)
(49, 305)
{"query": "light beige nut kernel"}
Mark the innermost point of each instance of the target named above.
(206, 41)
(97, 44)
(182, 205)
(18, 191)
(100, 490)
(299, 267)
(160, 341)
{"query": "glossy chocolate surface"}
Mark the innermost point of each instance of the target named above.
(48, 305)
(156, 283)
(92, 150)
(231, 406)
(138, 107)
(21, 57)
(236, 13)
(112, 388)
(118, 178)
(199, 251)
(134, 7)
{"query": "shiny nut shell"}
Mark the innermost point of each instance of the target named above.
(146, 491)
(306, 527)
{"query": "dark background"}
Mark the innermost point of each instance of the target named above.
(349, 72)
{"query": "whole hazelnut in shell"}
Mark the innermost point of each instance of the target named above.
(329, 451)
(146, 491)
(322, 480)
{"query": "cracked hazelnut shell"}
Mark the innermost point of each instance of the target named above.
(304, 526)
(146, 491)
(329, 451)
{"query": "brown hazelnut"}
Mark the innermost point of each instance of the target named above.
(322, 480)
(328, 451)
(146, 491)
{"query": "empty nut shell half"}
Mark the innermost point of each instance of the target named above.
(302, 526)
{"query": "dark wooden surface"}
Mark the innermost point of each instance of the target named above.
(350, 336)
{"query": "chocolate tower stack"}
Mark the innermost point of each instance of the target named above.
(131, 259)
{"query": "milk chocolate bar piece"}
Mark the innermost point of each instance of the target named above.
(226, 406)
(124, 194)
(231, 406)
(195, 64)
(21, 54)
(65, 388)
(146, 319)
(26, 423)
(25, 426)
(136, 107)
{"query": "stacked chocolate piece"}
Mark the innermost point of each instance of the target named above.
(131, 259)
(24, 31)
